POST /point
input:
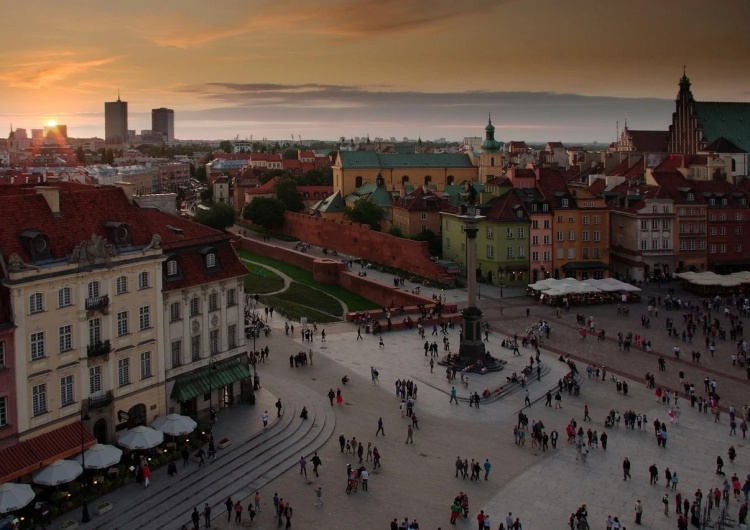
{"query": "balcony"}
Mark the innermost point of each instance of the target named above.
(97, 303)
(99, 349)
(99, 402)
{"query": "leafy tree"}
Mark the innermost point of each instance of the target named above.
(366, 212)
(317, 177)
(207, 195)
(200, 172)
(286, 191)
(80, 155)
(434, 243)
(290, 154)
(220, 216)
(109, 156)
(266, 212)
(192, 170)
(396, 231)
(225, 146)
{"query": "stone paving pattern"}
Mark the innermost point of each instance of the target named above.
(417, 480)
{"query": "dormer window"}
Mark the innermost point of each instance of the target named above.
(545, 207)
(711, 201)
(37, 244)
(564, 203)
(210, 260)
(172, 267)
(118, 233)
(691, 196)
(724, 201)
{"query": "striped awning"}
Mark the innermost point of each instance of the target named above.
(200, 382)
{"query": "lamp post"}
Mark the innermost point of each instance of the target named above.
(501, 274)
(85, 517)
(211, 412)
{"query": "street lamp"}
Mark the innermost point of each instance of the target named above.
(211, 413)
(255, 331)
(85, 517)
(501, 274)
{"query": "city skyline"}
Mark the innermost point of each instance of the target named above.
(330, 68)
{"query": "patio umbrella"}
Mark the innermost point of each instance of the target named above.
(58, 472)
(174, 424)
(14, 496)
(141, 437)
(101, 456)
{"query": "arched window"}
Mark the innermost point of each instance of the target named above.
(122, 285)
(144, 280)
(427, 180)
(36, 303)
(64, 298)
(404, 180)
(358, 182)
(492, 160)
(449, 180)
(94, 290)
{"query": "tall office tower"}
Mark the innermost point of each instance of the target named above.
(116, 122)
(162, 121)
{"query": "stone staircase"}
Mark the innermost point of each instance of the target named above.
(238, 471)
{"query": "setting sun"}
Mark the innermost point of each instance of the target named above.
(51, 123)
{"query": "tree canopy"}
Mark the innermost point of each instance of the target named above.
(220, 216)
(366, 212)
(226, 146)
(267, 212)
(286, 191)
(289, 154)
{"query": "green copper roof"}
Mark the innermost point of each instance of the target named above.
(730, 120)
(331, 204)
(371, 160)
(369, 190)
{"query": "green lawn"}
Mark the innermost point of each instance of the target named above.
(353, 301)
(295, 311)
(260, 280)
(312, 298)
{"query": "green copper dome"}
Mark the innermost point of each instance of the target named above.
(490, 144)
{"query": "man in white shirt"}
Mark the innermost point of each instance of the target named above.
(364, 476)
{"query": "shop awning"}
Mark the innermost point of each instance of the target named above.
(198, 382)
(579, 265)
(40, 451)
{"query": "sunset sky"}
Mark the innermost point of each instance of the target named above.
(545, 69)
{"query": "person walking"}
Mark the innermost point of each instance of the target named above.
(626, 469)
(185, 452)
(409, 433)
(586, 416)
(380, 427)
(365, 476)
(319, 496)
(201, 454)
(665, 502)
(229, 504)
(453, 396)
(206, 515)
(638, 511)
(196, 518)
(487, 467)
(526, 399)
(278, 408)
(316, 462)
(331, 395)
(264, 418)
(303, 466)
(238, 512)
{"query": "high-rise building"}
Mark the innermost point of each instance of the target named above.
(162, 121)
(116, 122)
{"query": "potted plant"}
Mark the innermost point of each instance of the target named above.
(224, 442)
(69, 525)
(103, 507)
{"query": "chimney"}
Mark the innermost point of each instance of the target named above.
(128, 188)
(52, 196)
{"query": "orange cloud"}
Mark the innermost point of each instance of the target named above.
(41, 73)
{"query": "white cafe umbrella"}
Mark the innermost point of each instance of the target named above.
(14, 496)
(174, 424)
(59, 472)
(100, 456)
(141, 437)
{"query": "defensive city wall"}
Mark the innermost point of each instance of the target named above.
(355, 239)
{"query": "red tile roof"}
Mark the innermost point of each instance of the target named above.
(649, 141)
(40, 451)
(185, 240)
(420, 200)
(82, 213)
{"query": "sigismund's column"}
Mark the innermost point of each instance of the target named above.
(472, 346)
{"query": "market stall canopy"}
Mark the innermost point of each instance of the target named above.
(60, 472)
(174, 424)
(101, 456)
(35, 453)
(14, 496)
(712, 279)
(141, 437)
